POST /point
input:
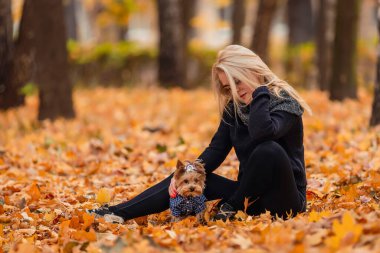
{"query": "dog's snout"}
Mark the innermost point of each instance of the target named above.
(192, 189)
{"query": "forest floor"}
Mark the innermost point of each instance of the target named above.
(125, 140)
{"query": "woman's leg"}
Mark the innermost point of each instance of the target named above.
(268, 178)
(156, 198)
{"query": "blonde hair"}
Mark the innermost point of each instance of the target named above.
(238, 62)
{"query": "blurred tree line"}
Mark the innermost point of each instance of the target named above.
(39, 53)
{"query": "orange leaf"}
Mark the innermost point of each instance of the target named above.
(87, 220)
(74, 222)
(247, 204)
(34, 192)
(82, 235)
(64, 229)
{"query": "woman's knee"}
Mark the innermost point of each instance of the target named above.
(268, 149)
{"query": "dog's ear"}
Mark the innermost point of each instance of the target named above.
(180, 165)
(180, 170)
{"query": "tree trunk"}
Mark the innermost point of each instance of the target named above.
(300, 32)
(6, 41)
(70, 19)
(375, 117)
(49, 41)
(262, 27)
(188, 10)
(6, 48)
(300, 22)
(343, 80)
(323, 43)
(171, 70)
(9, 91)
(238, 18)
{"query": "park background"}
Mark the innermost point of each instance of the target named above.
(99, 98)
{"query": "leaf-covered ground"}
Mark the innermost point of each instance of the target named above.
(124, 141)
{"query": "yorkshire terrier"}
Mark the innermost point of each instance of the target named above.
(190, 181)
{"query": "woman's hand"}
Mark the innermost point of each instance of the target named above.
(172, 188)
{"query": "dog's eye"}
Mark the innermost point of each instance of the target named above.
(186, 181)
(196, 180)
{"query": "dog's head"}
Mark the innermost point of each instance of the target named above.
(190, 178)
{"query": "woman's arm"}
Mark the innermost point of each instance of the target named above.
(265, 125)
(218, 148)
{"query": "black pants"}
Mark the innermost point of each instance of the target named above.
(268, 179)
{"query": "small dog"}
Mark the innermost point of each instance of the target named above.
(190, 182)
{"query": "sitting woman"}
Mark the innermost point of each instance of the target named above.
(261, 117)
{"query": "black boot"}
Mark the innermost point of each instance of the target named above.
(104, 212)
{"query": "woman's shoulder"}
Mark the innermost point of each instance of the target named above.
(285, 103)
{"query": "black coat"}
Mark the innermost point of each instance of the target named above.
(270, 118)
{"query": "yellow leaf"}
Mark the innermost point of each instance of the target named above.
(242, 215)
(103, 196)
(49, 216)
(316, 216)
(345, 233)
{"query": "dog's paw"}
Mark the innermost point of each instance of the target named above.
(203, 222)
(201, 219)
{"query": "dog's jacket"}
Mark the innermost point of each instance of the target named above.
(181, 206)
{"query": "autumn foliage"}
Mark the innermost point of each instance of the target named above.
(125, 140)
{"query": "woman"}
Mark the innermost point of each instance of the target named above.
(261, 117)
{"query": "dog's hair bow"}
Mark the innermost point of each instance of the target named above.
(189, 167)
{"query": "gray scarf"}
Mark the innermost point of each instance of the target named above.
(287, 104)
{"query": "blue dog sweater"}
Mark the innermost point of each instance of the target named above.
(181, 206)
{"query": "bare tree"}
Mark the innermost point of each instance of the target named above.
(171, 70)
(262, 25)
(6, 48)
(188, 9)
(238, 18)
(300, 32)
(49, 42)
(300, 21)
(375, 117)
(323, 42)
(343, 79)
(70, 19)
(12, 67)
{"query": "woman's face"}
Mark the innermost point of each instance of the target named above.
(244, 90)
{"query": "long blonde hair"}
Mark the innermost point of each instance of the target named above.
(238, 62)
